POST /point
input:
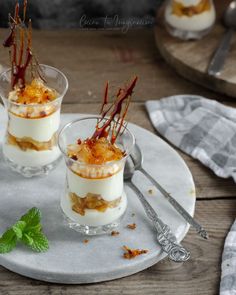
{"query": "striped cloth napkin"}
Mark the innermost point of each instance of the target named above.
(203, 128)
(206, 130)
(228, 266)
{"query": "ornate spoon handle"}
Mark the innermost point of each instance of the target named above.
(200, 230)
(165, 237)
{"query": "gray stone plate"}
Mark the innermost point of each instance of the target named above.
(71, 261)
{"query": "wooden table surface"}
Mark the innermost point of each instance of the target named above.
(89, 58)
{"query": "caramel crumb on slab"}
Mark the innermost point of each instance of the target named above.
(85, 241)
(115, 233)
(152, 191)
(132, 226)
(132, 253)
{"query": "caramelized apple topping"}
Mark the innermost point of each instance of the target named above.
(132, 253)
(91, 201)
(34, 93)
(94, 151)
(101, 148)
(27, 143)
(180, 9)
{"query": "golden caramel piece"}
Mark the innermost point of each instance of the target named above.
(91, 201)
(132, 226)
(180, 10)
(85, 241)
(114, 233)
(27, 143)
(132, 253)
(34, 93)
(94, 151)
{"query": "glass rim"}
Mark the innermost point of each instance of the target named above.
(127, 152)
(39, 104)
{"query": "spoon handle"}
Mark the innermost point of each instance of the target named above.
(165, 237)
(218, 59)
(202, 232)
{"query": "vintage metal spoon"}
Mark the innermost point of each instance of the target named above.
(165, 237)
(218, 59)
(137, 159)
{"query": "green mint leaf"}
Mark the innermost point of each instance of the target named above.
(35, 228)
(8, 241)
(27, 230)
(27, 240)
(18, 228)
(37, 241)
(32, 217)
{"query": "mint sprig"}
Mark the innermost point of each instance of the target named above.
(27, 230)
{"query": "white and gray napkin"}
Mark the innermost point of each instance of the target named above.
(203, 128)
(228, 266)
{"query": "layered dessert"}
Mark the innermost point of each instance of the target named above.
(34, 119)
(95, 185)
(33, 106)
(190, 15)
(95, 165)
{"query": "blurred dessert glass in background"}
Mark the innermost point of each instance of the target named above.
(189, 19)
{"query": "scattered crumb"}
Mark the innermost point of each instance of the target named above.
(132, 226)
(85, 241)
(114, 233)
(152, 191)
(132, 253)
(133, 214)
(89, 92)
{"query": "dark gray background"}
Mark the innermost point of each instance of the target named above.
(68, 13)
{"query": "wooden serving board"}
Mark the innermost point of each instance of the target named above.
(191, 58)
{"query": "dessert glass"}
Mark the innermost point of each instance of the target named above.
(94, 201)
(189, 19)
(30, 146)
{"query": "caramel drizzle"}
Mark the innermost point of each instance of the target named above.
(20, 51)
(116, 112)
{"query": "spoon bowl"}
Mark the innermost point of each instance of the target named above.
(134, 162)
(230, 16)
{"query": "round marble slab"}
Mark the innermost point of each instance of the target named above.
(71, 261)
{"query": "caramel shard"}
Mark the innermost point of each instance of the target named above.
(132, 253)
(132, 226)
(114, 233)
(85, 241)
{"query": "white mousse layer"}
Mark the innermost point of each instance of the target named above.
(198, 22)
(93, 217)
(110, 188)
(41, 129)
(31, 158)
(187, 3)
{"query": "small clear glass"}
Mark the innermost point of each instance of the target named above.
(94, 201)
(189, 19)
(30, 146)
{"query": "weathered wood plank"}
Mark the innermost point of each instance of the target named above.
(89, 58)
(199, 276)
